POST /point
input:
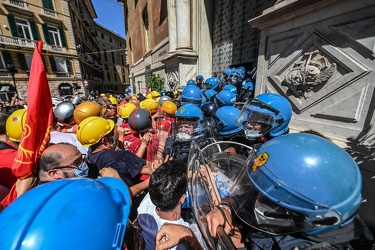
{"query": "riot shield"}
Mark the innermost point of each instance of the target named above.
(211, 174)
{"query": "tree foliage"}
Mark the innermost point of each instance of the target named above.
(155, 82)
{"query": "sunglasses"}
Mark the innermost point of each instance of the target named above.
(76, 164)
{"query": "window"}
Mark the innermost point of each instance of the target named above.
(61, 66)
(108, 77)
(54, 36)
(105, 55)
(110, 39)
(146, 29)
(102, 35)
(113, 57)
(23, 29)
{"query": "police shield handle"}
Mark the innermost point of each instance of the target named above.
(208, 177)
(224, 239)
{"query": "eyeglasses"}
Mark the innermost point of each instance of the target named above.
(76, 164)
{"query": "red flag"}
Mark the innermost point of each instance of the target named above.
(38, 122)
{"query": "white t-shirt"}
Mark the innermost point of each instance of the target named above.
(147, 207)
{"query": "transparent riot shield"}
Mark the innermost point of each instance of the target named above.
(212, 171)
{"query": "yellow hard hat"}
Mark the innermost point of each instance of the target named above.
(149, 104)
(134, 97)
(102, 94)
(175, 94)
(84, 110)
(113, 100)
(127, 109)
(149, 96)
(154, 94)
(92, 129)
(169, 107)
(15, 124)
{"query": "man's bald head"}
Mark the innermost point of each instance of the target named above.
(58, 155)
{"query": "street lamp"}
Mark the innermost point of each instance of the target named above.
(12, 70)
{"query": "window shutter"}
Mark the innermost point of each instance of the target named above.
(46, 33)
(47, 4)
(69, 66)
(22, 61)
(13, 25)
(34, 30)
(7, 58)
(53, 64)
(62, 36)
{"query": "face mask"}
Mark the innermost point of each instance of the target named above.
(82, 170)
(252, 134)
(183, 136)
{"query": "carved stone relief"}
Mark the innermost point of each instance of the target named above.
(309, 73)
(172, 79)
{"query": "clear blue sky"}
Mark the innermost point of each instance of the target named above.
(110, 15)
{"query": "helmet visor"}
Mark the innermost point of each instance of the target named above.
(186, 129)
(256, 119)
(274, 208)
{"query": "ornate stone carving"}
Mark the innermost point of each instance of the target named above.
(172, 79)
(309, 74)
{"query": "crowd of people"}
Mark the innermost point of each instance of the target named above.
(206, 166)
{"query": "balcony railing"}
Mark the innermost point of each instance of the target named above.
(19, 3)
(49, 12)
(4, 73)
(21, 42)
(17, 41)
(55, 48)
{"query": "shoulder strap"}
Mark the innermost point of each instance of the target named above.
(4, 145)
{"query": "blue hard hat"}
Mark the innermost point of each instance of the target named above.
(209, 108)
(299, 183)
(192, 94)
(231, 88)
(68, 214)
(212, 83)
(266, 114)
(225, 118)
(225, 98)
(191, 82)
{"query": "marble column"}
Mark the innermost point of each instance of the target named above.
(172, 25)
(183, 25)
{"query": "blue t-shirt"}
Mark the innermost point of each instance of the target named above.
(125, 162)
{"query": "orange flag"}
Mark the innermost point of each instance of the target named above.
(38, 123)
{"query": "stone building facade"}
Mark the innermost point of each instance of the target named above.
(112, 54)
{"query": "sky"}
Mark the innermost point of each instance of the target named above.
(110, 15)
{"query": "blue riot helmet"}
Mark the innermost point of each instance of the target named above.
(237, 77)
(225, 98)
(225, 118)
(188, 123)
(267, 114)
(163, 92)
(199, 78)
(231, 88)
(242, 69)
(68, 209)
(227, 72)
(298, 183)
(209, 108)
(212, 83)
(209, 94)
(191, 82)
(248, 85)
(192, 94)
